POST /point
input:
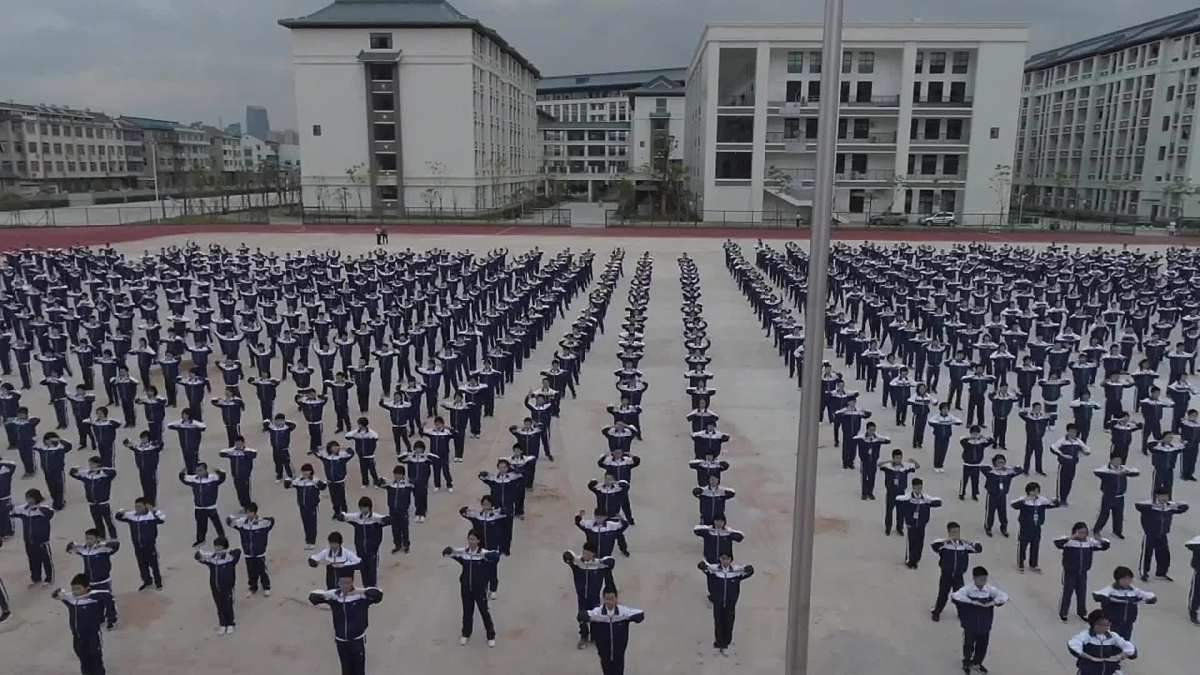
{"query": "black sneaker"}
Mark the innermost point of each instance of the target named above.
(1163, 577)
(935, 616)
(144, 586)
(980, 668)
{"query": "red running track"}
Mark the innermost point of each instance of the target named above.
(61, 237)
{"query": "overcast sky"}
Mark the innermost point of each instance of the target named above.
(190, 60)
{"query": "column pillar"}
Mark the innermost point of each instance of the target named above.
(758, 157)
(908, 65)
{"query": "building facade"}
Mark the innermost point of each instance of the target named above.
(412, 105)
(1106, 124)
(52, 149)
(591, 132)
(927, 121)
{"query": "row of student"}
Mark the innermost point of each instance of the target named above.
(144, 520)
(913, 506)
(723, 576)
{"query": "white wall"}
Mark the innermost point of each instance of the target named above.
(998, 74)
(640, 136)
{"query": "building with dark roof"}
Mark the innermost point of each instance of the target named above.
(49, 148)
(412, 105)
(1107, 124)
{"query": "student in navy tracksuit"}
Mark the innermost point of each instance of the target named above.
(399, 501)
(254, 531)
(190, 433)
(205, 487)
(365, 443)
(610, 631)
(1192, 545)
(914, 509)
(35, 517)
(1156, 517)
(368, 535)
(869, 446)
(1068, 450)
(1120, 601)
(895, 482)
(143, 523)
(1031, 515)
(222, 577)
(85, 614)
(507, 487)
(1099, 650)
(717, 539)
(241, 467)
(279, 431)
(337, 559)
(1077, 552)
(712, 499)
(308, 500)
(420, 467)
(1035, 431)
(349, 608)
(976, 604)
(1114, 482)
(954, 556)
(22, 432)
(335, 459)
(724, 587)
(478, 568)
(997, 480)
(591, 575)
(96, 553)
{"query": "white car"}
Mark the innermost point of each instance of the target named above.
(942, 218)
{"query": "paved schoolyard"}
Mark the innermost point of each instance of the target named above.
(870, 614)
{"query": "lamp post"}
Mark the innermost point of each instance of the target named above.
(803, 521)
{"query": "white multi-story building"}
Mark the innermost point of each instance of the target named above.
(1107, 123)
(47, 148)
(591, 133)
(429, 106)
(928, 114)
(255, 154)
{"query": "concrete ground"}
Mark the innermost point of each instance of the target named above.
(870, 613)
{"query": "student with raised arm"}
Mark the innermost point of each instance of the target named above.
(943, 427)
(1121, 599)
(336, 558)
(590, 575)
(895, 482)
(1068, 450)
(97, 490)
(610, 631)
(35, 517)
(96, 553)
(1031, 516)
(478, 568)
(1098, 650)
(997, 480)
(308, 500)
(399, 501)
(222, 578)
(712, 499)
(1114, 482)
(914, 510)
(954, 555)
(143, 521)
(254, 531)
(368, 536)
(1156, 517)
(85, 613)
(724, 587)
(1077, 552)
(349, 609)
(976, 604)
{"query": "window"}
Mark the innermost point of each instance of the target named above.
(937, 63)
(862, 128)
(795, 62)
(935, 92)
(58, 148)
(386, 161)
(994, 133)
(791, 128)
(814, 62)
(866, 62)
(1162, 152)
(380, 72)
(381, 40)
(845, 94)
(733, 165)
(810, 127)
(847, 61)
(950, 165)
(795, 91)
(916, 92)
(389, 193)
(660, 105)
(928, 165)
(958, 92)
(1166, 123)
(954, 129)
(1171, 92)
(814, 90)
(385, 132)
(382, 102)
(842, 124)
(920, 62)
(960, 63)
(316, 130)
(862, 92)
(933, 129)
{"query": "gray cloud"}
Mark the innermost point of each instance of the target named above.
(190, 60)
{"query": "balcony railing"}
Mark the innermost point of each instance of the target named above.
(883, 138)
(935, 178)
(871, 175)
(882, 101)
(964, 102)
(943, 139)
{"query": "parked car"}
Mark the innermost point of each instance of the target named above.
(941, 218)
(888, 218)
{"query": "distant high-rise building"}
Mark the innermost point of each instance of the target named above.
(257, 124)
(287, 136)
(234, 129)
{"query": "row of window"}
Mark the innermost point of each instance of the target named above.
(67, 130)
(932, 91)
(36, 166)
(68, 149)
(932, 62)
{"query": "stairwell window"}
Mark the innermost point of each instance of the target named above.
(381, 40)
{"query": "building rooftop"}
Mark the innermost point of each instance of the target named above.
(1182, 23)
(623, 79)
(399, 14)
(150, 123)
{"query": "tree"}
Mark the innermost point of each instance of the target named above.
(1178, 192)
(438, 171)
(1001, 182)
(357, 175)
